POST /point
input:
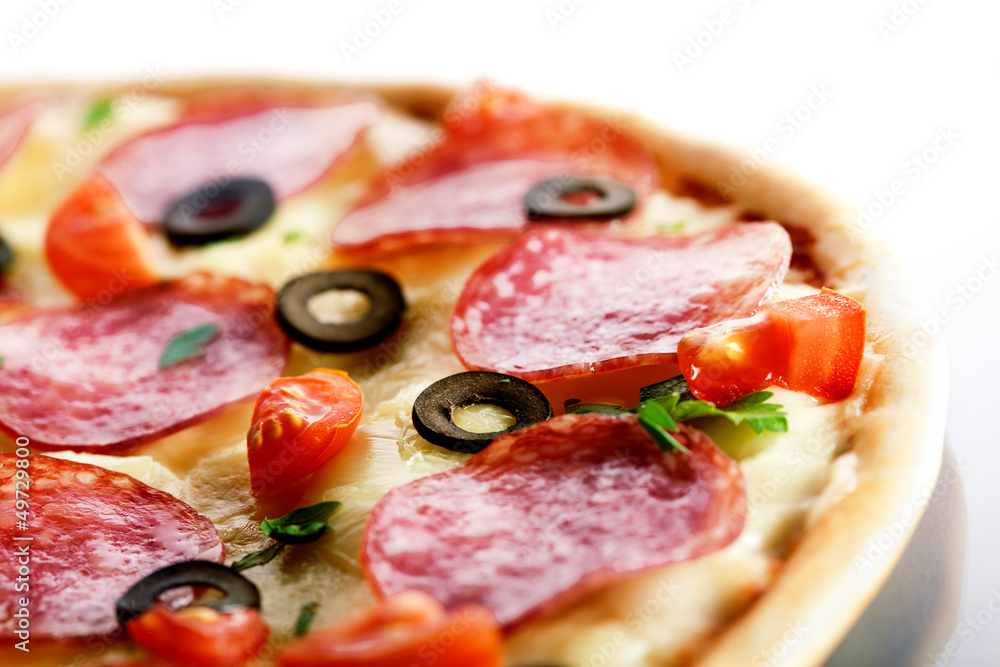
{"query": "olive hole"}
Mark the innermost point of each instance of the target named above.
(218, 207)
(483, 418)
(581, 197)
(339, 306)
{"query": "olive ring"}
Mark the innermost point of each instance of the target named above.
(384, 316)
(433, 409)
(240, 592)
(546, 199)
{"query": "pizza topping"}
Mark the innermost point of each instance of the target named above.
(579, 197)
(406, 629)
(813, 344)
(201, 637)
(547, 514)
(434, 411)
(187, 345)
(95, 246)
(89, 378)
(218, 211)
(238, 591)
(306, 524)
(559, 304)
(384, 309)
(94, 533)
(497, 145)
(288, 147)
(664, 403)
(305, 618)
(14, 124)
(6, 255)
(300, 526)
(300, 423)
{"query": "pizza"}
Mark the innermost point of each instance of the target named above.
(308, 374)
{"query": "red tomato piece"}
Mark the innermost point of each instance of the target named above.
(200, 636)
(812, 344)
(410, 628)
(94, 244)
(298, 424)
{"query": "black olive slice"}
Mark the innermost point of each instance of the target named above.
(6, 255)
(240, 592)
(610, 198)
(385, 314)
(214, 212)
(433, 409)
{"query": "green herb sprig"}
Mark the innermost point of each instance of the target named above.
(663, 404)
(299, 526)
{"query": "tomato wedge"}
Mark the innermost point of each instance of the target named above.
(200, 636)
(410, 628)
(95, 246)
(298, 424)
(812, 344)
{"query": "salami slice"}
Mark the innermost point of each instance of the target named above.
(289, 147)
(559, 304)
(90, 378)
(549, 513)
(89, 535)
(14, 124)
(471, 185)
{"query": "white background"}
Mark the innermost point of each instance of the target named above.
(893, 75)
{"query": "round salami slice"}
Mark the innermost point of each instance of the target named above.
(14, 124)
(289, 147)
(471, 186)
(559, 304)
(88, 535)
(547, 514)
(150, 362)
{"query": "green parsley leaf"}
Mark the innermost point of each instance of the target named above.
(294, 235)
(757, 413)
(101, 110)
(306, 615)
(302, 525)
(655, 419)
(753, 409)
(504, 380)
(598, 408)
(258, 557)
(187, 345)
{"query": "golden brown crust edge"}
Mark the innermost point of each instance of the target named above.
(821, 588)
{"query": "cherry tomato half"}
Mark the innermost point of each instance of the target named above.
(406, 629)
(94, 244)
(298, 424)
(200, 636)
(812, 344)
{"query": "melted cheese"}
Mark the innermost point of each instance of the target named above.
(656, 618)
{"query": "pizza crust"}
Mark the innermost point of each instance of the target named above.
(829, 579)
